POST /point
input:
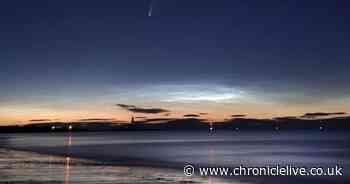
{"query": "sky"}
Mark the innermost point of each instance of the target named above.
(71, 60)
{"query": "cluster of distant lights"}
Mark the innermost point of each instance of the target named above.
(211, 128)
(276, 128)
(70, 127)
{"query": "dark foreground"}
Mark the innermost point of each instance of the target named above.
(158, 157)
(18, 167)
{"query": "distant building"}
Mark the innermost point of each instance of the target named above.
(211, 127)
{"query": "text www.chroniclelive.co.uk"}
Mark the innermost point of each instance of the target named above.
(288, 170)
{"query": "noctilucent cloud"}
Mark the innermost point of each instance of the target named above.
(71, 60)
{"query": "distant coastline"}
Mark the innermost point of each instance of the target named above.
(236, 124)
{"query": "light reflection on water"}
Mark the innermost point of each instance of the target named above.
(27, 167)
(67, 162)
(67, 170)
(303, 148)
(224, 149)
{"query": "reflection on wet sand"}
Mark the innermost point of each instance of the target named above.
(67, 160)
(69, 142)
(67, 170)
(26, 167)
(156, 149)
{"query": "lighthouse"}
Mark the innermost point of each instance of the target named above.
(211, 128)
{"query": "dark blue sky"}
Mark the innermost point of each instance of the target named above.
(293, 54)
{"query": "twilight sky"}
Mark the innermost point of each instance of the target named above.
(72, 60)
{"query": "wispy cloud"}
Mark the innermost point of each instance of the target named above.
(39, 120)
(158, 119)
(191, 115)
(97, 119)
(133, 108)
(286, 118)
(321, 114)
(238, 115)
(141, 117)
(193, 93)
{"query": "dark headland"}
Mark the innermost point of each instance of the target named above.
(193, 124)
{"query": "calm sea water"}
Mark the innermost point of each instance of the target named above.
(18, 167)
(172, 150)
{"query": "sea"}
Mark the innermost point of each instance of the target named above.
(160, 156)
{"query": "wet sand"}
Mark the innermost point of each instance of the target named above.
(18, 167)
(159, 157)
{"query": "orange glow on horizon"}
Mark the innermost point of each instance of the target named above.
(216, 112)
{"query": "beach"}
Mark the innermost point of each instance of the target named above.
(159, 157)
(18, 167)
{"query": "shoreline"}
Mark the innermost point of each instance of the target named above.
(62, 169)
(146, 158)
(36, 168)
